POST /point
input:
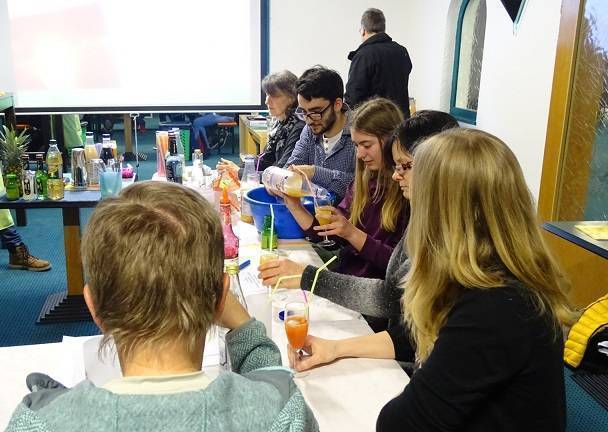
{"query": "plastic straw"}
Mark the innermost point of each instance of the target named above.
(271, 228)
(323, 267)
(281, 279)
(314, 195)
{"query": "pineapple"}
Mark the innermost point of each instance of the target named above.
(12, 146)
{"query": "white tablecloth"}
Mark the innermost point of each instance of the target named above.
(345, 395)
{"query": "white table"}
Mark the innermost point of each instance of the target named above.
(345, 395)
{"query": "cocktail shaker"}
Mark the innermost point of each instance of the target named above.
(79, 170)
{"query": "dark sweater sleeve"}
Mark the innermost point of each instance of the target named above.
(472, 357)
(289, 145)
(400, 335)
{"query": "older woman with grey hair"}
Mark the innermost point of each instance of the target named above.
(281, 100)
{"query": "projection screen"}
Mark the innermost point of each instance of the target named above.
(133, 55)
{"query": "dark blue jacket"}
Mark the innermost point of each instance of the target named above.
(379, 67)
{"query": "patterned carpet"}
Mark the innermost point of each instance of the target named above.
(23, 293)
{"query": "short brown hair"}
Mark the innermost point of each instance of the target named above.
(154, 262)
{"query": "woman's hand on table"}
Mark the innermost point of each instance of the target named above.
(271, 271)
(318, 352)
(227, 165)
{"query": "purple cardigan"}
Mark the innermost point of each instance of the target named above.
(373, 259)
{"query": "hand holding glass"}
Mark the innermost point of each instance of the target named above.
(324, 215)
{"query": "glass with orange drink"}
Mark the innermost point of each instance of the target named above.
(323, 214)
(296, 326)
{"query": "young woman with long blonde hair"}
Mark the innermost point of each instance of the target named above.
(380, 297)
(370, 220)
(483, 301)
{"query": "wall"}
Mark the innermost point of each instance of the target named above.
(517, 70)
(303, 34)
(516, 81)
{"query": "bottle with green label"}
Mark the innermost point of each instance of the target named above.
(41, 178)
(12, 187)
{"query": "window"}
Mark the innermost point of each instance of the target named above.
(468, 56)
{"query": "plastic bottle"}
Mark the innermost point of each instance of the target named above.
(231, 241)
(290, 183)
(54, 163)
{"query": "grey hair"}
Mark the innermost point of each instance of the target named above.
(283, 81)
(373, 20)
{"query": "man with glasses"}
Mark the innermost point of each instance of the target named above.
(379, 67)
(325, 151)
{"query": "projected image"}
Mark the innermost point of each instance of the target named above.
(113, 53)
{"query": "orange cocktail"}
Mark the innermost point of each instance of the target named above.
(323, 216)
(297, 330)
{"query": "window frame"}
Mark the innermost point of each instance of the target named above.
(461, 114)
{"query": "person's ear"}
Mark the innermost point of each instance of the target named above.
(219, 308)
(338, 105)
(88, 299)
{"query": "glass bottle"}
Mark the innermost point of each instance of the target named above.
(231, 241)
(28, 185)
(174, 164)
(54, 164)
(268, 241)
(249, 180)
(290, 183)
(232, 269)
(41, 178)
(12, 187)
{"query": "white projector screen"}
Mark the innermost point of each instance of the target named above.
(133, 55)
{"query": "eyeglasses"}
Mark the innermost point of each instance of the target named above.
(313, 115)
(402, 168)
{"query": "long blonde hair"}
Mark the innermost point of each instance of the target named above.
(472, 220)
(378, 117)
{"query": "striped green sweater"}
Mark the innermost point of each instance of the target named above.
(260, 396)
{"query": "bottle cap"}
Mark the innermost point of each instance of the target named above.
(232, 268)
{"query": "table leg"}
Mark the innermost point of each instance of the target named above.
(21, 217)
(68, 306)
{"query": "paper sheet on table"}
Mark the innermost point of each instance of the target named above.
(82, 360)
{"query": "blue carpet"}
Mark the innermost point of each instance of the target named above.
(23, 293)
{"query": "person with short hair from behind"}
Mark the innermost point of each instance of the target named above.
(483, 301)
(157, 308)
(281, 100)
(325, 152)
(379, 66)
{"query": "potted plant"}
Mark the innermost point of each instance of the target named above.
(12, 146)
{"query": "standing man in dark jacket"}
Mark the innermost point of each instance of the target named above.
(379, 67)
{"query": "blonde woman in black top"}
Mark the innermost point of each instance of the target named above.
(483, 301)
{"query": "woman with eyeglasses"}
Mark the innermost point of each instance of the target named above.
(483, 302)
(281, 100)
(375, 297)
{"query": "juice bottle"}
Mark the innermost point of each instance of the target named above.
(54, 163)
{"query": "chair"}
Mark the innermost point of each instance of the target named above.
(225, 132)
